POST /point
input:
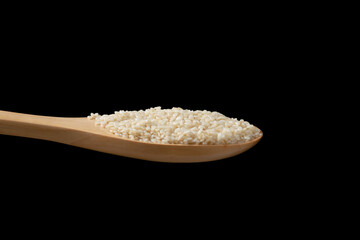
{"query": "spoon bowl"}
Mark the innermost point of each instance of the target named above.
(81, 132)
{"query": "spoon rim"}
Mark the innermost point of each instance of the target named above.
(189, 145)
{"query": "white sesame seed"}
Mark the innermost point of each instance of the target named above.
(177, 126)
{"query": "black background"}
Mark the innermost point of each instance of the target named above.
(260, 63)
(72, 65)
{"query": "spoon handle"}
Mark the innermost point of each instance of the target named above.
(31, 126)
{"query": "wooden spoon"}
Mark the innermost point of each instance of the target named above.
(81, 132)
